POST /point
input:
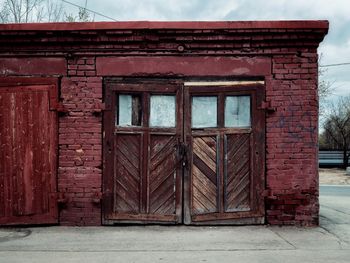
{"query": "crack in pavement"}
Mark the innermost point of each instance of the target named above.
(168, 250)
(284, 239)
(152, 250)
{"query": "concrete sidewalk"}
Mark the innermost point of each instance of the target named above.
(173, 244)
(328, 243)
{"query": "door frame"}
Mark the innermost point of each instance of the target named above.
(257, 89)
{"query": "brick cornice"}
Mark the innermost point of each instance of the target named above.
(162, 37)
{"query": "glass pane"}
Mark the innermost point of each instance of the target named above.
(129, 109)
(162, 112)
(237, 111)
(204, 112)
(124, 110)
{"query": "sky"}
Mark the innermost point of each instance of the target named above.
(334, 49)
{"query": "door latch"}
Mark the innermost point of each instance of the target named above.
(182, 153)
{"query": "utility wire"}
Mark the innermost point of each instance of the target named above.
(92, 11)
(335, 65)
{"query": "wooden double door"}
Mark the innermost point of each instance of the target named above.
(183, 153)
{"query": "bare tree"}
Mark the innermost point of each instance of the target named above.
(83, 15)
(4, 15)
(337, 128)
(325, 88)
(54, 11)
(20, 11)
(25, 11)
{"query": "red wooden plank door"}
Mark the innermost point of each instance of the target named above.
(28, 145)
(142, 181)
(225, 134)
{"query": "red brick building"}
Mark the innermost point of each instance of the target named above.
(159, 122)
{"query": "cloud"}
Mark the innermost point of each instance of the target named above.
(286, 9)
(162, 10)
(221, 9)
(335, 53)
(339, 76)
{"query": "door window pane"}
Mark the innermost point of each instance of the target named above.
(204, 111)
(163, 110)
(237, 111)
(129, 111)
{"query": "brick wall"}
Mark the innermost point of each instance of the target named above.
(80, 144)
(291, 140)
(291, 87)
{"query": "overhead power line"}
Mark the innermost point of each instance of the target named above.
(335, 65)
(92, 11)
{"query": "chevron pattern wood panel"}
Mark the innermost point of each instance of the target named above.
(237, 173)
(127, 175)
(204, 175)
(162, 176)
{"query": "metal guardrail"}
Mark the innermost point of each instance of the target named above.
(330, 158)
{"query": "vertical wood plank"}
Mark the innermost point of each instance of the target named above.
(220, 152)
(187, 181)
(13, 187)
(221, 110)
(7, 161)
(145, 152)
(3, 138)
(258, 146)
(220, 176)
(180, 170)
(108, 177)
(43, 179)
(29, 150)
(52, 146)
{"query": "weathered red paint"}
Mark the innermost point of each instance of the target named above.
(80, 55)
(28, 151)
(32, 66)
(185, 66)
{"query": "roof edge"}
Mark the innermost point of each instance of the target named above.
(129, 25)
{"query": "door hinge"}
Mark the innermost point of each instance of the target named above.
(59, 107)
(266, 105)
(62, 199)
(97, 197)
(98, 109)
(266, 193)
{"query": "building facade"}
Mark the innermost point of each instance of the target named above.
(159, 122)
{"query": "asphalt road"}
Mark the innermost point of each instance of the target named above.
(335, 190)
(335, 211)
(335, 204)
